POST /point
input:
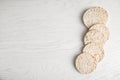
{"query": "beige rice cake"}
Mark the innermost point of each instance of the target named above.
(85, 63)
(94, 36)
(101, 28)
(94, 16)
(95, 50)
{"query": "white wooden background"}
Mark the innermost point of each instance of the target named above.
(39, 39)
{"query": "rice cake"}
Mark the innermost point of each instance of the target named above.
(94, 16)
(101, 28)
(85, 63)
(95, 50)
(94, 36)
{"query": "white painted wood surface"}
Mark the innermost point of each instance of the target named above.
(39, 39)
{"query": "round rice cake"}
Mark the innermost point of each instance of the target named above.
(94, 16)
(101, 28)
(95, 50)
(85, 63)
(94, 36)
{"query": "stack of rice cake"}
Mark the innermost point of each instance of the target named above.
(95, 20)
